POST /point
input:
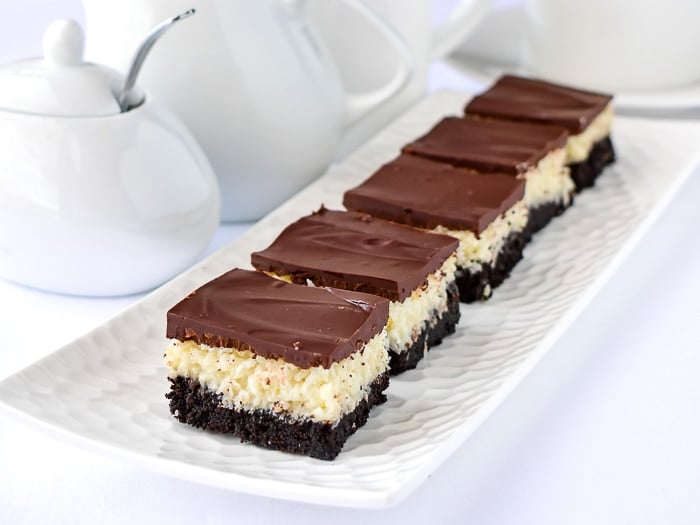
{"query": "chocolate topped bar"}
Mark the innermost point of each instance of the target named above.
(488, 145)
(356, 251)
(426, 194)
(302, 325)
(526, 99)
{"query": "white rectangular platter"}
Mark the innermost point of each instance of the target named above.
(105, 391)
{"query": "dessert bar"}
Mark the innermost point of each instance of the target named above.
(486, 212)
(283, 366)
(587, 115)
(533, 152)
(414, 269)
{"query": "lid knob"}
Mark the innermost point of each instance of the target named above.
(64, 43)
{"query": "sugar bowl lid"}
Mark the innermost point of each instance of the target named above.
(61, 83)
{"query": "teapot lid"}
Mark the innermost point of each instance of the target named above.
(61, 83)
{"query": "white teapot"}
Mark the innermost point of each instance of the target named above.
(251, 81)
(95, 201)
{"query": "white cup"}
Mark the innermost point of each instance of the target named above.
(351, 40)
(614, 45)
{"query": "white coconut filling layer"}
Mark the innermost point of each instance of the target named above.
(475, 250)
(578, 147)
(549, 181)
(408, 318)
(250, 382)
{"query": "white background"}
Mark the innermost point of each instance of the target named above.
(605, 430)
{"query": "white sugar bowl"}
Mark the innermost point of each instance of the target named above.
(95, 201)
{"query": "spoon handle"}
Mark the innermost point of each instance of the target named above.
(124, 97)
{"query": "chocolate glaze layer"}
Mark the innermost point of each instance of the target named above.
(419, 192)
(355, 251)
(488, 145)
(302, 325)
(530, 100)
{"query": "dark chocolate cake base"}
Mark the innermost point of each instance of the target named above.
(408, 359)
(195, 405)
(432, 335)
(447, 322)
(478, 286)
(586, 172)
(542, 215)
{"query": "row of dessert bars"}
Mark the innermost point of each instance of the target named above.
(293, 356)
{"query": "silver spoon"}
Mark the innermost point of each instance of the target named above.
(127, 99)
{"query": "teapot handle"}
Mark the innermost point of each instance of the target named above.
(359, 104)
(462, 20)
